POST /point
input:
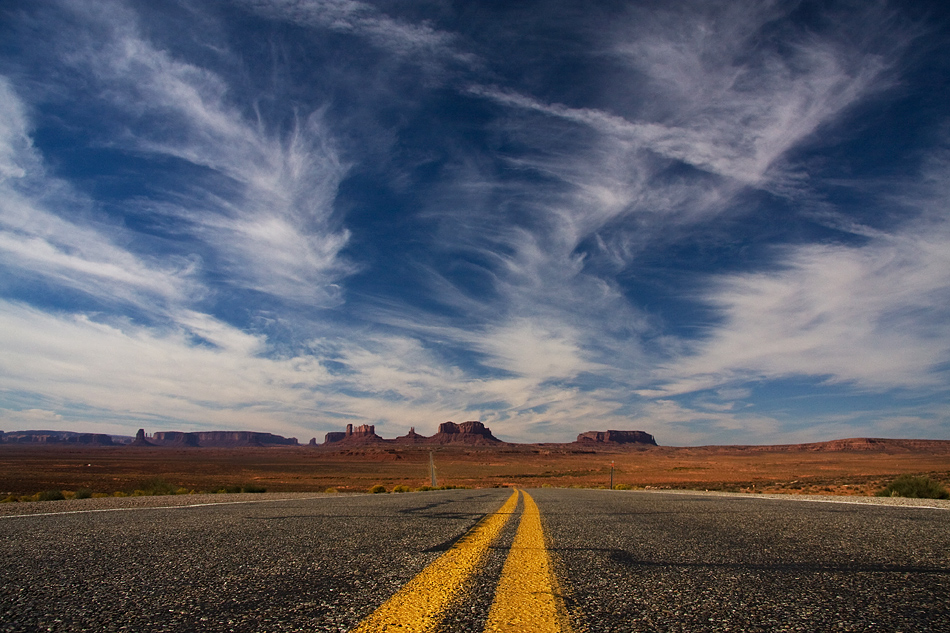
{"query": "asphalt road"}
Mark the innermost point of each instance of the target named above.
(625, 561)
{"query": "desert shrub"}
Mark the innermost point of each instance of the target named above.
(228, 490)
(623, 487)
(83, 493)
(377, 489)
(100, 495)
(154, 487)
(10, 499)
(915, 488)
(254, 489)
(119, 493)
(50, 495)
(331, 491)
(401, 488)
(424, 488)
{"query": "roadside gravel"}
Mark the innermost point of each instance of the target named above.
(105, 504)
(943, 504)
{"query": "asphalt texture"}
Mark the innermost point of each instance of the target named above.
(629, 561)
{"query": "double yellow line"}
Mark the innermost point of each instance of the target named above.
(527, 598)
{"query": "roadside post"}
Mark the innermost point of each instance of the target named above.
(611, 475)
(433, 483)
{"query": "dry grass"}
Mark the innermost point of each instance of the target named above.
(26, 470)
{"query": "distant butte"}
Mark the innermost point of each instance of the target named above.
(362, 434)
(616, 437)
(465, 433)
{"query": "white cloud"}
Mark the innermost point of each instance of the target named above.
(709, 89)
(36, 241)
(272, 231)
(30, 419)
(876, 316)
(16, 147)
(416, 40)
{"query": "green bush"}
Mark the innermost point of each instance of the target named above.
(915, 488)
(401, 489)
(154, 487)
(377, 489)
(331, 491)
(623, 487)
(83, 493)
(50, 495)
(253, 489)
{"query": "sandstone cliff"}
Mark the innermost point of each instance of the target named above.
(616, 437)
(362, 434)
(472, 432)
(411, 438)
(221, 439)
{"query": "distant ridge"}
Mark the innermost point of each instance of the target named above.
(473, 433)
(56, 437)
(221, 439)
(852, 444)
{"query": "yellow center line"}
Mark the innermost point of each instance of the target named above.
(528, 597)
(421, 604)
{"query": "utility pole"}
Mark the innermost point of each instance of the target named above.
(611, 475)
(434, 484)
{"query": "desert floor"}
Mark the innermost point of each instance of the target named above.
(30, 469)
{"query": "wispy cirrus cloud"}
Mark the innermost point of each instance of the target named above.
(873, 315)
(419, 41)
(39, 239)
(269, 218)
(737, 86)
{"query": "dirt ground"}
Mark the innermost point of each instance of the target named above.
(30, 469)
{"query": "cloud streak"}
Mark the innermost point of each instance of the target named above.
(270, 219)
(873, 315)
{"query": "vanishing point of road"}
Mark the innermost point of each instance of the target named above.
(493, 560)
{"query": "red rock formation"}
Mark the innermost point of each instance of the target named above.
(411, 437)
(616, 437)
(362, 434)
(472, 432)
(853, 444)
(140, 439)
(95, 439)
(221, 439)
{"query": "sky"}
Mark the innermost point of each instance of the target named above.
(719, 222)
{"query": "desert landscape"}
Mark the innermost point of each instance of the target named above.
(464, 455)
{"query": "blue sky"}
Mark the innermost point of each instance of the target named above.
(718, 222)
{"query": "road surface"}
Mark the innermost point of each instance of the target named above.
(474, 560)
